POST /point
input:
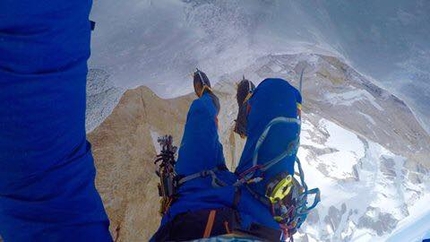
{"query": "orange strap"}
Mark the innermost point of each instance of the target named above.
(210, 224)
(203, 90)
(248, 96)
(227, 229)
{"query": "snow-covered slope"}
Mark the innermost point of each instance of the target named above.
(102, 97)
(362, 145)
(365, 189)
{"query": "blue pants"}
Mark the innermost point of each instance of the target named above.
(201, 150)
(47, 172)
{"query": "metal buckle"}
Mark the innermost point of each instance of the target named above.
(279, 188)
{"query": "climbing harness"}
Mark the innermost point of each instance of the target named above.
(279, 187)
(215, 181)
(293, 146)
(292, 209)
(168, 184)
(287, 199)
(286, 196)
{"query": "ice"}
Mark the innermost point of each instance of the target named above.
(372, 198)
(370, 119)
(155, 136)
(416, 225)
(348, 98)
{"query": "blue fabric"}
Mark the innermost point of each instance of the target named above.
(47, 190)
(201, 150)
(271, 99)
(200, 147)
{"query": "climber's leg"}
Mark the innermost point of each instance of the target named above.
(47, 190)
(200, 147)
(201, 150)
(271, 99)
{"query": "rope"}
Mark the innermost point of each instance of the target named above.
(263, 137)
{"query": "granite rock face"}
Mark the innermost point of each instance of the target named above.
(124, 147)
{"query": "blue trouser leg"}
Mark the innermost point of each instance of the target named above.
(200, 147)
(47, 190)
(201, 150)
(271, 99)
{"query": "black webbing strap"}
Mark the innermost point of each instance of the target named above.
(237, 196)
(215, 181)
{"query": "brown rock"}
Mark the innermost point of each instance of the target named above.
(123, 147)
(124, 151)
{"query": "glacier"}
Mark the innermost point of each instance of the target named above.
(355, 178)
